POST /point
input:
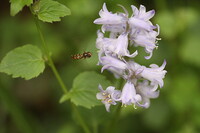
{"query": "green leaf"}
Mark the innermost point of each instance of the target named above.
(50, 11)
(17, 5)
(85, 88)
(25, 62)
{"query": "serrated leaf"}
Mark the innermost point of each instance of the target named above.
(50, 11)
(25, 62)
(17, 5)
(85, 88)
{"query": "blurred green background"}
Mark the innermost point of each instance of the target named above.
(32, 106)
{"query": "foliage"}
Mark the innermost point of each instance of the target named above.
(84, 89)
(25, 62)
(49, 10)
(17, 5)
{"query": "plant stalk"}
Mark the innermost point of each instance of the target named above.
(50, 61)
(80, 119)
(51, 64)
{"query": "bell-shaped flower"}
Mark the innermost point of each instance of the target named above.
(141, 81)
(147, 91)
(129, 96)
(107, 17)
(155, 74)
(146, 39)
(121, 47)
(141, 13)
(99, 40)
(108, 96)
(140, 18)
(114, 28)
(102, 43)
(117, 46)
(134, 70)
(113, 64)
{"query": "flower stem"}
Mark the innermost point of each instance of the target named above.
(51, 64)
(116, 115)
(114, 121)
(80, 119)
(50, 61)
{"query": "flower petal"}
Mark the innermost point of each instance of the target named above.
(99, 96)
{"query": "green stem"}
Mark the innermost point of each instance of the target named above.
(116, 115)
(50, 61)
(51, 64)
(95, 127)
(113, 123)
(80, 119)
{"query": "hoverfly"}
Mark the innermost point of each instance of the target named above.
(82, 56)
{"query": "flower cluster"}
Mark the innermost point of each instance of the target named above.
(128, 32)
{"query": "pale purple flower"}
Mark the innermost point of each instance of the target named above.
(140, 18)
(107, 17)
(141, 82)
(117, 72)
(116, 29)
(129, 96)
(141, 13)
(113, 64)
(113, 22)
(118, 46)
(146, 39)
(155, 74)
(108, 96)
(121, 47)
(134, 70)
(147, 91)
(99, 40)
